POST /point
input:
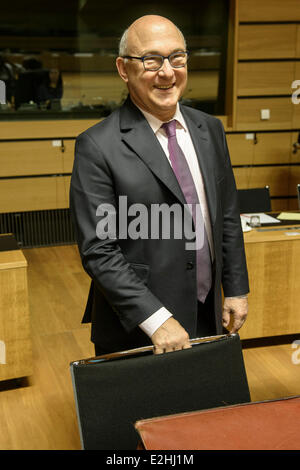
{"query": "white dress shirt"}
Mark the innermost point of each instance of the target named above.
(184, 140)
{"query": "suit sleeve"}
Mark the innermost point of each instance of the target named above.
(93, 199)
(234, 273)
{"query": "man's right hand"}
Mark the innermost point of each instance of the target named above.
(170, 336)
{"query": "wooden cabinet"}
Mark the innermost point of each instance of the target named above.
(274, 275)
(15, 332)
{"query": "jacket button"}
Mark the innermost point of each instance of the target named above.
(189, 265)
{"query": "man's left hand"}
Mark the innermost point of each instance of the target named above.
(238, 308)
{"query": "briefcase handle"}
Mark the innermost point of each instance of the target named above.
(147, 349)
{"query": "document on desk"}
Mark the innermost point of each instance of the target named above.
(289, 216)
(264, 218)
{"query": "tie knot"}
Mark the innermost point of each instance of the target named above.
(170, 128)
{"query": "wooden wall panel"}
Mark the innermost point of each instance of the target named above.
(262, 148)
(294, 180)
(277, 178)
(269, 10)
(242, 177)
(63, 189)
(278, 205)
(68, 156)
(268, 41)
(45, 129)
(298, 42)
(296, 106)
(295, 157)
(273, 148)
(265, 78)
(241, 149)
(249, 114)
(28, 194)
(34, 157)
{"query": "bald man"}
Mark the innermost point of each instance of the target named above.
(149, 286)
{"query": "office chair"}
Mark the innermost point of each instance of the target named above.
(254, 200)
(27, 86)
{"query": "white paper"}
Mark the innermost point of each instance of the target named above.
(245, 227)
(264, 218)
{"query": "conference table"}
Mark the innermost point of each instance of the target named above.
(273, 260)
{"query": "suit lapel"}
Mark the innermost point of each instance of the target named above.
(138, 135)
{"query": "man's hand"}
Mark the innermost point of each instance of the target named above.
(238, 308)
(170, 336)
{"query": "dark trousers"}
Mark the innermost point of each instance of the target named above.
(205, 323)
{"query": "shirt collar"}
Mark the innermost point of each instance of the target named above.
(156, 123)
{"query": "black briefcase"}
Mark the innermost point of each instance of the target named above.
(113, 391)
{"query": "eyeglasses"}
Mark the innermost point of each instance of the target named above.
(155, 62)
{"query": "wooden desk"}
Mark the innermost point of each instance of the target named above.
(273, 258)
(15, 338)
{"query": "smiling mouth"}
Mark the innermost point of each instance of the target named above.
(165, 87)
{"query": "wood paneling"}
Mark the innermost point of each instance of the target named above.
(45, 129)
(269, 10)
(267, 41)
(28, 194)
(240, 148)
(295, 157)
(265, 78)
(298, 42)
(35, 157)
(278, 205)
(296, 106)
(294, 180)
(15, 332)
(249, 113)
(273, 148)
(277, 178)
(262, 148)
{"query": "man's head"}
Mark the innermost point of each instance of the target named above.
(156, 92)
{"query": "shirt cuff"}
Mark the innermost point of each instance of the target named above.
(238, 297)
(152, 323)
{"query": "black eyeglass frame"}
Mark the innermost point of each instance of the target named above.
(162, 57)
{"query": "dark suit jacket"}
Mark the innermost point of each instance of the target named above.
(131, 279)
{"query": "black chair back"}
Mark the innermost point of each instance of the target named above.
(254, 200)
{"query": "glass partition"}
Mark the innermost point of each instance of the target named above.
(57, 59)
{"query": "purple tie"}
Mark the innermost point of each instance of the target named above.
(186, 182)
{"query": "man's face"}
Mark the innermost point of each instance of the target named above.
(155, 92)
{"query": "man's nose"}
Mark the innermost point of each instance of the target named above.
(166, 68)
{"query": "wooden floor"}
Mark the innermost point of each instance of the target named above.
(38, 413)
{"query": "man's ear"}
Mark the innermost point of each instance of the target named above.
(121, 66)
